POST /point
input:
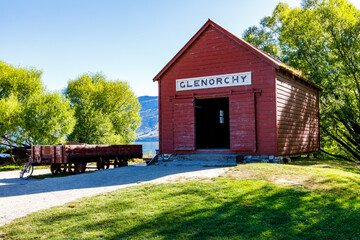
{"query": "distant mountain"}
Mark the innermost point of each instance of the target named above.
(149, 112)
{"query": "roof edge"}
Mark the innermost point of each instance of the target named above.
(298, 74)
(182, 50)
(277, 64)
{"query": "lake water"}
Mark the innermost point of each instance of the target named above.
(149, 148)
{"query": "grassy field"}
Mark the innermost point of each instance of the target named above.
(11, 167)
(15, 167)
(308, 199)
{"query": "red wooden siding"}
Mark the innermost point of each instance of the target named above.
(183, 118)
(214, 53)
(242, 123)
(297, 116)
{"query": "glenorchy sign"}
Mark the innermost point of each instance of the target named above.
(234, 79)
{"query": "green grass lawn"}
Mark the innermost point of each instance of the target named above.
(308, 199)
(15, 167)
(11, 167)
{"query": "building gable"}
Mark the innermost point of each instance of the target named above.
(277, 64)
(213, 37)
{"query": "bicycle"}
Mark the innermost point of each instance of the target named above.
(27, 170)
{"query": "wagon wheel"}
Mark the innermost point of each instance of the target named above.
(121, 162)
(82, 167)
(116, 162)
(63, 167)
(107, 164)
(100, 165)
(124, 162)
(73, 168)
(55, 168)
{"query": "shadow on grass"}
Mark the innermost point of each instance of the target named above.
(328, 163)
(226, 209)
(266, 213)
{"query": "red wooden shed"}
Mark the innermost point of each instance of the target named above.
(220, 94)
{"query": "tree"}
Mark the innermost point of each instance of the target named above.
(322, 38)
(10, 110)
(28, 113)
(47, 119)
(107, 112)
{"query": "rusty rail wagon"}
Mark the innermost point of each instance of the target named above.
(74, 158)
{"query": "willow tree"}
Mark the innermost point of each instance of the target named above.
(29, 114)
(107, 112)
(322, 38)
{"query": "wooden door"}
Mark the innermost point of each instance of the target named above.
(242, 123)
(183, 124)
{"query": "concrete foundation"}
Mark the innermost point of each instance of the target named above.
(214, 160)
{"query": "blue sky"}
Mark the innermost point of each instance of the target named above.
(127, 40)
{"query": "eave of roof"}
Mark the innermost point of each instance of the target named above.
(277, 64)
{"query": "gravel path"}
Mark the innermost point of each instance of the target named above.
(20, 197)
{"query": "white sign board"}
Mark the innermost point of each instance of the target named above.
(228, 80)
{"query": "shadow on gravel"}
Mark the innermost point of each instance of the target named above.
(104, 178)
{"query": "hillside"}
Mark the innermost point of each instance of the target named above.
(149, 128)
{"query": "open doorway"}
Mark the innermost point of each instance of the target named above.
(212, 123)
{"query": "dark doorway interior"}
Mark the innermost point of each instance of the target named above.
(212, 123)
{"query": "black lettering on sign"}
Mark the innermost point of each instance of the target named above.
(235, 78)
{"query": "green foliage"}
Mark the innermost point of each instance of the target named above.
(10, 122)
(10, 111)
(322, 38)
(28, 113)
(47, 118)
(308, 200)
(107, 112)
(21, 82)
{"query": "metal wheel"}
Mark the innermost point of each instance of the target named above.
(26, 171)
(107, 164)
(123, 162)
(100, 165)
(116, 163)
(55, 168)
(63, 167)
(73, 168)
(82, 167)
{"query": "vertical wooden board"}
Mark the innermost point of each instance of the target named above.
(35, 152)
(183, 119)
(166, 125)
(59, 153)
(242, 123)
(297, 116)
